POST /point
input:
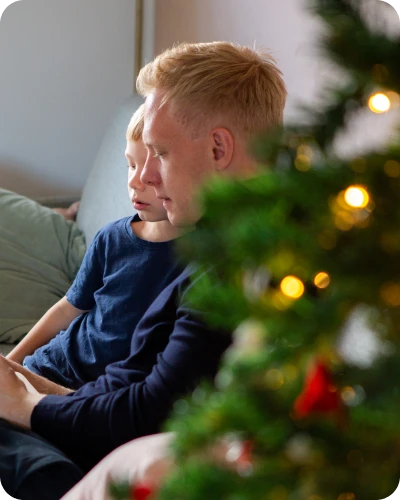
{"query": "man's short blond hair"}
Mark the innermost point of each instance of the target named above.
(136, 125)
(218, 80)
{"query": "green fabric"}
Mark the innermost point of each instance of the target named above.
(40, 254)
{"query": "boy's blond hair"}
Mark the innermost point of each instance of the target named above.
(135, 127)
(213, 80)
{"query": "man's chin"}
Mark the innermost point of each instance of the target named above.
(182, 222)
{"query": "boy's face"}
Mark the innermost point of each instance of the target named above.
(143, 197)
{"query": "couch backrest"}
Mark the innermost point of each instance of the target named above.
(105, 196)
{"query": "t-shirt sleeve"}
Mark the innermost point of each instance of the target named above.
(107, 413)
(89, 277)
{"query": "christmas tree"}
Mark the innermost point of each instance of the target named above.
(307, 275)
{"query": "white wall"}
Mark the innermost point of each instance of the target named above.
(65, 65)
(285, 27)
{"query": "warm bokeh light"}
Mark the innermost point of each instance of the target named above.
(348, 394)
(356, 197)
(390, 293)
(344, 220)
(302, 163)
(292, 287)
(346, 496)
(305, 150)
(392, 168)
(322, 280)
(379, 103)
(274, 379)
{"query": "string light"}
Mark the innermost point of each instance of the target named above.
(322, 280)
(356, 197)
(392, 168)
(302, 163)
(390, 293)
(305, 149)
(303, 158)
(274, 379)
(348, 394)
(292, 287)
(290, 372)
(379, 103)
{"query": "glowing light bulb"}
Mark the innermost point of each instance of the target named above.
(322, 280)
(356, 197)
(292, 287)
(379, 103)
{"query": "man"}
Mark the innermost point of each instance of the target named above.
(203, 103)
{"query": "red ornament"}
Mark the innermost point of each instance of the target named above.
(140, 492)
(244, 460)
(320, 395)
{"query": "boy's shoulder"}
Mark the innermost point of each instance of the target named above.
(115, 228)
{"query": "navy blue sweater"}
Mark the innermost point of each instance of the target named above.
(171, 351)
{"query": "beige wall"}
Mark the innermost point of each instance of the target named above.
(283, 26)
(289, 31)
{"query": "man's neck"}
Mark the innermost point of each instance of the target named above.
(155, 232)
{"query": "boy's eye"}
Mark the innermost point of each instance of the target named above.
(131, 166)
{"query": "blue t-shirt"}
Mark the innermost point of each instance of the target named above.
(119, 278)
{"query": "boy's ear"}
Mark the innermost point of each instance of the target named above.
(223, 147)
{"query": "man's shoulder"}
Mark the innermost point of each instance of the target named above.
(179, 289)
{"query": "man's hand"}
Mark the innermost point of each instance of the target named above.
(16, 403)
(41, 384)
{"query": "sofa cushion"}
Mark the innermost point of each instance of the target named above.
(40, 254)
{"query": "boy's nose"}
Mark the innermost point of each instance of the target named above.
(135, 182)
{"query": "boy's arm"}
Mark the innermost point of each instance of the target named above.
(56, 319)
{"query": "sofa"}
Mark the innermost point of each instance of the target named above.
(40, 251)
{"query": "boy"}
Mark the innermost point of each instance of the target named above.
(129, 262)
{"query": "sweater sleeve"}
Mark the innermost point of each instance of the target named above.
(135, 397)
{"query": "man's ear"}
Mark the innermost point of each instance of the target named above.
(223, 147)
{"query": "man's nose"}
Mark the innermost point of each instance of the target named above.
(149, 174)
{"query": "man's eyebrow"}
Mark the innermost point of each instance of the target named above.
(149, 145)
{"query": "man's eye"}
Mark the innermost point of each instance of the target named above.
(131, 166)
(158, 155)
